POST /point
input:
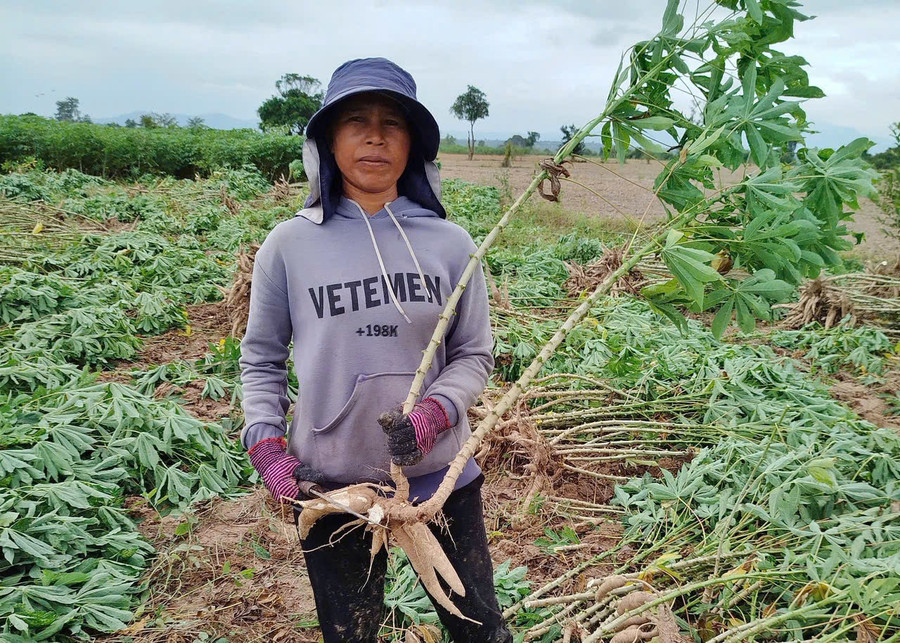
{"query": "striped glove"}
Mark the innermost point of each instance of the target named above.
(270, 459)
(411, 437)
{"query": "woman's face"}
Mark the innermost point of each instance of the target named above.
(370, 142)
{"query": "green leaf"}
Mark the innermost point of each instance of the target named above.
(746, 320)
(690, 267)
(759, 149)
(647, 144)
(705, 140)
(722, 319)
(671, 313)
(748, 86)
(12, 540)
(622, 138)
(755, 11)
(17, 623)
(261, 551)
(672, 21)
(822, 469)
(606, 139)
(147, 446)
(620, 77)
(657, 123)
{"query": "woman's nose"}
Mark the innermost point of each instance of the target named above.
(375, 134)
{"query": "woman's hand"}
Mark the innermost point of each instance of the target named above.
(281, 472)
(411, 437)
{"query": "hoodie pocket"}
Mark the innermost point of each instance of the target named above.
(352, 446)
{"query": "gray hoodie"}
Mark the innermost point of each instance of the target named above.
(359, 296)
(356, 348)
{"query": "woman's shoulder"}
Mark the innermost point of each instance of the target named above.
(290, 230)
(288, 238)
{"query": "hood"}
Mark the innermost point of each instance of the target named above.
(420, 181)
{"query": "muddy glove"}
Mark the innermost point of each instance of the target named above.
(283, 474)
(308, 479)
(411, 437)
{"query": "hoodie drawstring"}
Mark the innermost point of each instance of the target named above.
(411, 253)
(384, 273)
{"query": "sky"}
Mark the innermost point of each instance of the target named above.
(541, 63)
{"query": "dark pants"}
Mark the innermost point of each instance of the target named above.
(350, 599)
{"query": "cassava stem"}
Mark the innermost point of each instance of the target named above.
(427, 510)
(400, 481)
(564, 152)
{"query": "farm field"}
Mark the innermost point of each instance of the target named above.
(692, 430)
(753, 480)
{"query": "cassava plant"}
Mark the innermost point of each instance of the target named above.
(732, 250)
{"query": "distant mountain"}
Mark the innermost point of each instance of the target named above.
(830, 135)
(216, 121)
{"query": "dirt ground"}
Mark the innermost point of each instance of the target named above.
(869, 401)
(620, 192)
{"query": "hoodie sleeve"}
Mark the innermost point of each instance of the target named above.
(264, 351)
(469, 347)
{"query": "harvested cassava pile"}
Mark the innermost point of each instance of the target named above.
(518, 447)
(587, 278)
(819, 301)
(887, 283)
(230, 203)
(237, 298)
(282, 191)
(873, 296)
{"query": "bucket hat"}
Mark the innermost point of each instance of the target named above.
(385, 77)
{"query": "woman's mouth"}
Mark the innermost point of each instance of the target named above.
(374, 160)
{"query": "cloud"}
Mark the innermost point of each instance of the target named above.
(847, 47)
(541, 64)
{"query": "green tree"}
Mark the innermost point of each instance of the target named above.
(67, 110)
(470, 106)
(130, 123)
(890, 158)
(517, 140)
(299, 97)
(196, 122)
(568, 131)
(154, 120)
(524, 142)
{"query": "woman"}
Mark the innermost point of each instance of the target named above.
(357, 281)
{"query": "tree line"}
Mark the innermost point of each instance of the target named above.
(68, 110)
(298, 97)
